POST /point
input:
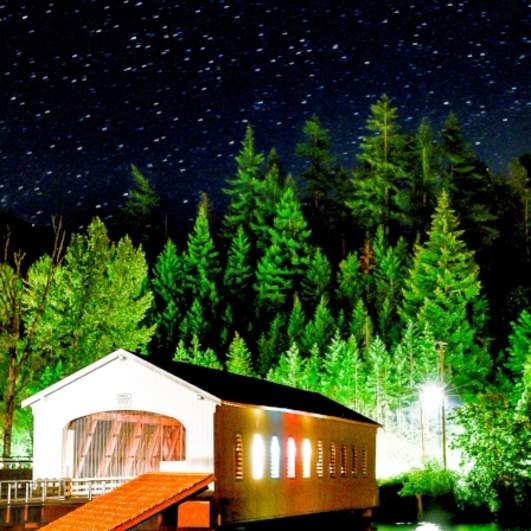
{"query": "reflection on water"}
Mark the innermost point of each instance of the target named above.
(430, 526)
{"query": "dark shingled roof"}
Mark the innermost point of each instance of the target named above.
(230, 387)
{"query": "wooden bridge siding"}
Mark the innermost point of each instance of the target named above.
(249, 499)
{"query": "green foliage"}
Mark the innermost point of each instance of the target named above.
(290, 368)
(520, 343)
(429, 481)
(317, 277)
(196, 355)
(349, 281)
(443, 292)
(320, 329)
(496, 440)
(238, 273)
(239, 357)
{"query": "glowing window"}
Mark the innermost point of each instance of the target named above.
(258, 457)
(332, 461)
(364, 461)
(238, 457)
(306, 458)
(354, 463)
(292, 454)
(320, 459)
(343, 462)
(275, 457)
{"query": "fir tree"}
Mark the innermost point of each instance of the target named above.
(312, 377)
(361, 326)
(242, 189)
(349, 282)
(379, 379)
(317, 276)
(270, 344)
(194, 323)
(520, 343)
(320, 329)
(379, 186)
(443, 292)
(290, 368)
(296, 322)
(237, 277)
(239, 357)
(167, 287)
(203, 358)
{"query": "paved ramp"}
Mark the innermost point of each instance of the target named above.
(133, 502)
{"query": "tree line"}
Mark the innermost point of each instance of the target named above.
(359, 283)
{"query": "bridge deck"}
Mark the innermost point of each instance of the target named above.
(133, 502)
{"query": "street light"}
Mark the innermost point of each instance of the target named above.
(432, 399)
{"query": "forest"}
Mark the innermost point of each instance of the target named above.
(361, 283)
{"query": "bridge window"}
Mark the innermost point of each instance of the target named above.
(238, 457)
(258, 456)
(364, 468)
(354, 461)
(292, 454)
(332, 460)
(343, 463)
(275, 457)
(320, 459)
(306, 458)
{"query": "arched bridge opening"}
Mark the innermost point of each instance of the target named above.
(122, 443)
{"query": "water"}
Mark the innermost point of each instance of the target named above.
(430, 526)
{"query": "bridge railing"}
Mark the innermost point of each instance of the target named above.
(41, 490)
(15, 463)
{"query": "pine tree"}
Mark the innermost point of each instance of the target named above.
(167, 287)
(470, 185)
(140, 208)
(270, 344)
(312, 377)
(194, 323)
(443, 292)
(379, 378)
(290, 368)
(239, 357)
(361, 326)
(238, 274)
(204, 358)
(281, 267)
(296, 323)
(349, 282)
(201, 271)
(320, 329)
(317, 276)
(520, 344)
(379, 186)
(242, 189)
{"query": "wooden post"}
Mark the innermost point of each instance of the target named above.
(86, 446)
(132, 449)
(112, 440)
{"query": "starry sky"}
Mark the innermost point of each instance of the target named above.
(90, 86)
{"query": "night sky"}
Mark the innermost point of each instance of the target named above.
(88, 87)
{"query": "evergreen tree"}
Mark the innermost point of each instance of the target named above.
(296, 323)
(140, 208)
(380, 185)
(201, 271)
(379, 378)
(283, 264)
(520, 343)
(237, 277)
(270, 344)
(194, 323)
(349, 282)
(167, 287)
(204, 358)
(312, 377)
(239, 357)
(443, 292)
(290, 369)
(242, 189)
(317, 276)
(361, 327)
(471, 187)
(320, 329)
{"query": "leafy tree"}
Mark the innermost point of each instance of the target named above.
(239, 357)
(167, 286)
(443, 292)
(241, 190)
(379, 187)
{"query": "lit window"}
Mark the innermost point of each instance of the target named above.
(320, 459)
(238, 457)
(306, 458)
(343, 463)
(354, 464)
(364, 461)
(258, 456)
(332, 461)
(275, 457)
(292, 454)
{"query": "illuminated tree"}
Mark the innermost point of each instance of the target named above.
(317, 276)
(443, 292)
(320, 329)
(290, 368)
(239, 357)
